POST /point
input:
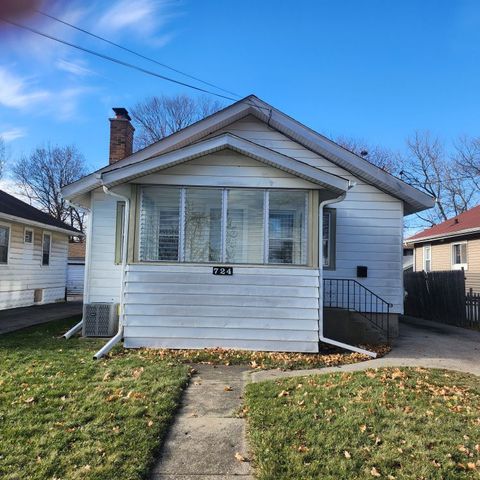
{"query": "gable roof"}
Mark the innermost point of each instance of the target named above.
(232, 142)
(465, 223)
(11, 208)
(413, 199)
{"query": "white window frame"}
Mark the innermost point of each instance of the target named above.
(47, 234)
(328, 263)
(181, 253)
(28, 229)
(9, 226)
(459, 266)
(425, 248)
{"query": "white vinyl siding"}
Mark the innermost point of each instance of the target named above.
(369, 222)
(104, 274)
(24, 272)
(185, 306)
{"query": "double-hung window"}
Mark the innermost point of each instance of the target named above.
(427, 258)
(46, 248)
(4, 243)
(459, 256)
(231, 225)
(328, 239)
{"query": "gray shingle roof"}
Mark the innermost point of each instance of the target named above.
(10, 205)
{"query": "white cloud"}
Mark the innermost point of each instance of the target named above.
(12, 134)
(67, 102)
(18, 92)
(76, 69)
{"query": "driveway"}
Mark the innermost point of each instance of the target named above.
(421, 343)
(23, 317)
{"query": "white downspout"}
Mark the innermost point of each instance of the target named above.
(321, 337)
(118, 337)
(86, 273)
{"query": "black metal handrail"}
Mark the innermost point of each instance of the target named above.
(349, 294)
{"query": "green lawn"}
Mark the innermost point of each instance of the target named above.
(65, 416)
(390, 423)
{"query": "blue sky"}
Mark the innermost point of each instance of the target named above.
(372, 69)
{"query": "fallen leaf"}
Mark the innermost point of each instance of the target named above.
(240, 457)
(347, 454)
(30, 400)
(363, 428)
(227, 388)
(471, 466)
(150, 423)
(303, 449)
(283, 393)
(374, 472)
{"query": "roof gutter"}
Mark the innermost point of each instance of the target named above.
(121, 321)
(321, 336)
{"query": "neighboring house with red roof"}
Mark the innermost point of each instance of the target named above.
(451, 245)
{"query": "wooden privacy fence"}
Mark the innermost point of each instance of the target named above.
(440, 296)
(472, 301)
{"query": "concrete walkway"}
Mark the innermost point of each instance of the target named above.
(23, 317)
(207, 433)
(421, 344)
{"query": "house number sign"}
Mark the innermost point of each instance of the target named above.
(222, 270)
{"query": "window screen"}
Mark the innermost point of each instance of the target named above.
(287, 227)
(159, 223)
(203, 209)
(245, 226)
(204, 225)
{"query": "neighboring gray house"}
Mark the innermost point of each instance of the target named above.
(33, 254)
(299, 222)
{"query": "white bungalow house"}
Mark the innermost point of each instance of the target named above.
(239, 231)
(33, 255)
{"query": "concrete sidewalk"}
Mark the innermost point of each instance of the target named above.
(23, 317)
(421, 343)
(207, 432)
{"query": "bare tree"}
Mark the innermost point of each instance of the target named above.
(159, 116)
(429, 168)
(41, 176)
(380, 156)
(467, 159)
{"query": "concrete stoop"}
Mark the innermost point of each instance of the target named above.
(354, 328)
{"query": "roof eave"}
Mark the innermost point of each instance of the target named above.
(45, 226)
(226, 140)
(440, 236)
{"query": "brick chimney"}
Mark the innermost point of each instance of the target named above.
(121, 135)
